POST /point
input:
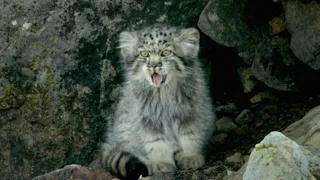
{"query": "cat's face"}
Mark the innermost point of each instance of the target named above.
(159, 55)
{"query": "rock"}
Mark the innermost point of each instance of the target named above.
(277, 24)
(58, 72)
(277, 157)
(266, 116)
(272, 63)
(261, 96)
(213, 169)
(160, 176)
(315, 171)
(242, 130)
(228, 22)
(236, 175)
(220, 137)
(75, 172)
(208, 173)
(244, 117)
(307, 130)
(304, 41)
(246, 158)
(247, 79)
(226, 124)
(313, 155)
(235, 158)
(224, 24)
(230, 108)
(302, 132)
(146, 178)
(194, 177)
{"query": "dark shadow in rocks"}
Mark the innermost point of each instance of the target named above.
(259, 13)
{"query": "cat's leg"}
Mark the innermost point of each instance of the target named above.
(159, 153)
(190, 155)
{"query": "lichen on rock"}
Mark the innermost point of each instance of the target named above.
(58, 68)
(277, 157)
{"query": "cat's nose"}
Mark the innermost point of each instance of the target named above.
(154, 64)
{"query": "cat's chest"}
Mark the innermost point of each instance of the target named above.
(166, 107)
(165, 111)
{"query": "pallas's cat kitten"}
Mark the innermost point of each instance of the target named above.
(165, 117)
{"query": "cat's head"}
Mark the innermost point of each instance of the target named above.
(159, 54)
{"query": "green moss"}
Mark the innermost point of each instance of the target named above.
(55, 38)
(11, 97)
(46, 156)
(264, 147)
(32, 31)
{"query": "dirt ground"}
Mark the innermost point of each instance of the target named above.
(268, 116)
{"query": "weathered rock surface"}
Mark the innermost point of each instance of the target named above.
(75, 172)
(262, 96)
(244, 117)
(307, 130)
(247, 80)
(277, 157)
(235, 158)
(271, 64)
(303, 24)
(222, 20)
(257, 32)
(303, 146)
(226, 124)
(59, 74)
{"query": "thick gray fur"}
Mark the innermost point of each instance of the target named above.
(168, 126)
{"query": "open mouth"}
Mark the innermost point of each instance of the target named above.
(158, 79)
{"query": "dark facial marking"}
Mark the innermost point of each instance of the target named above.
(177, 66)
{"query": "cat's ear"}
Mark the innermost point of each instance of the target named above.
(128, 42)
(187, 41)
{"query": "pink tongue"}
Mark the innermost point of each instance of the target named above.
(156, 78)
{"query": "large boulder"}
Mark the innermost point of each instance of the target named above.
(299, 155)
(307, 130)
(256, 31)
(59, 75)
(277, 157)
(303, 24)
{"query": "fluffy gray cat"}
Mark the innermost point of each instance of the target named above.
(165, 117)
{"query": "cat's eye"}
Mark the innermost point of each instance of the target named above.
(165, 53)
(144, 53)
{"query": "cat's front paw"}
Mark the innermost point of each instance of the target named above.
(191, 162)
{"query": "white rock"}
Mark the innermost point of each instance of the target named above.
(277, 157)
